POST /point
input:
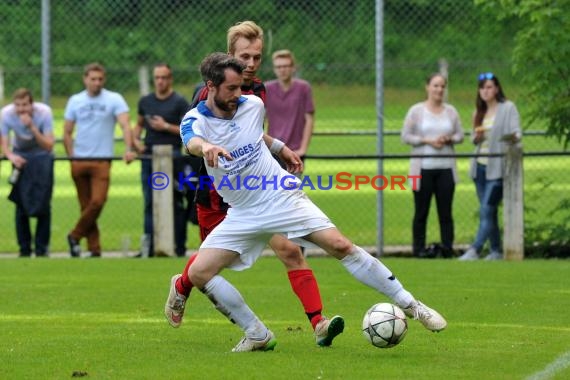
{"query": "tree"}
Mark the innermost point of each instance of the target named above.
(540, 58)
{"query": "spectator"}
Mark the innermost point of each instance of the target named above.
(432, 127)
(289, 103)
(496, 123)
(159, 115)
(32, 175)
(94, 111)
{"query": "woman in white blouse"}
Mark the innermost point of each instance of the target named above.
(433, 127)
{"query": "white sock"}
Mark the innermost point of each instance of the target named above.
(370, 271)
(228, 300)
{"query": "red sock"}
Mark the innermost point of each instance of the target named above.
(183, 284)
(306, 288)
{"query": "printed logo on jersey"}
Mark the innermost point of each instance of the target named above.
(234, 127)
(243, 157)
(237, 153)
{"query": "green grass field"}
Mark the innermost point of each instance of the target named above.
(103, 318)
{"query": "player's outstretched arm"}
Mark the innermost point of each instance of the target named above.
(201, 148)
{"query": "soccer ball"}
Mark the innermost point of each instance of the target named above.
(384, 325)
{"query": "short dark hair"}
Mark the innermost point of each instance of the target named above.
(162, 64)
(95, 66)
(23, 93)
(213, 67)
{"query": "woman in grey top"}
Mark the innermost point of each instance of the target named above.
(496, 123)
(432, 127)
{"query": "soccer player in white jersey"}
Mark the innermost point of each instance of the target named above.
(227, 131)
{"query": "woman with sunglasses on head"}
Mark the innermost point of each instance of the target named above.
(496, 123)
(432, 127)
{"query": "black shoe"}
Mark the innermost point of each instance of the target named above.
(74, 247)
(447, 253)
(426, 254)
(431, 252)
(94, 255)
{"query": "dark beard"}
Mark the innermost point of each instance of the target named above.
(224, 106)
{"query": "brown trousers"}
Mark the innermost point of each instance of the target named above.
(92, 183)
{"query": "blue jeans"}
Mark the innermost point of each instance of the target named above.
(490, 194)
(180, 213)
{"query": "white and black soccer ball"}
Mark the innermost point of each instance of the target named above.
(384, 325)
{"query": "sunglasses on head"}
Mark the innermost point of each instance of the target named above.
(484, 76)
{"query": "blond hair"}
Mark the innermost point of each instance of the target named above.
(246, 29)
(284, 54)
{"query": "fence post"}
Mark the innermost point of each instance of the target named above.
(144, 87)
(162, 210)
(513, 214)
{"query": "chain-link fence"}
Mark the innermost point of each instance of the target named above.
(334, 42)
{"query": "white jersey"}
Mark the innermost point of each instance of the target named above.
(95, 118)
(253, 177)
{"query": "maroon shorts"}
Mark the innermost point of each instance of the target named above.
(208, 219)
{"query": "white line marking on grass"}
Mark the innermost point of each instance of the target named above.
(561, 363)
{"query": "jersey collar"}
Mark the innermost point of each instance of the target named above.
(204, 110)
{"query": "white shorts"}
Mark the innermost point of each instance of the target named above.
(247, 231)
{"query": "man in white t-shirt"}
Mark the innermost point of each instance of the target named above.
(227, 131)
(94, 112)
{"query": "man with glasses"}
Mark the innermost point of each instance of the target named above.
(159, 115)
(289, 103)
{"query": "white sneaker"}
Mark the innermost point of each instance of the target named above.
(430, 318)
(249, 344)
(494, 256)
(327, 329)
(469, 255)
(175, 304)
